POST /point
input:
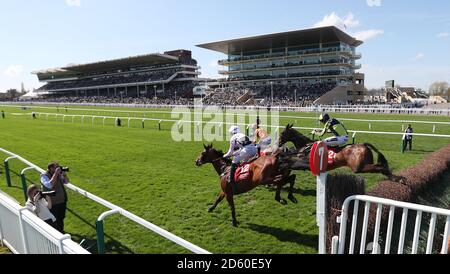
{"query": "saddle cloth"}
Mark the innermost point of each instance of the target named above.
(243, 173)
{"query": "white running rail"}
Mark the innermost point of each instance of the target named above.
(174, 110)
(195, 123)
(337, 109)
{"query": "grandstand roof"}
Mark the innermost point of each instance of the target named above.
(282, 39)
(140, 60)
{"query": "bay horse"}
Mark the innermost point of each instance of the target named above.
(263, 171)
(359, 158)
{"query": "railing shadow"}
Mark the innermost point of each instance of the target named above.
(111, 245)
(286, 235)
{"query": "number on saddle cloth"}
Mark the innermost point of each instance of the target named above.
(243, 173)
(331, 155)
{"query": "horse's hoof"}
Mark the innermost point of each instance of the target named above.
(293, 199)
(282, 201)
(235, 223)
(211, 209)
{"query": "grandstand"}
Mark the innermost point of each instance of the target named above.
(315, 65)
(401, 95)
(167, 75)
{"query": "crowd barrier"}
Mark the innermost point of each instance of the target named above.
(22, 232)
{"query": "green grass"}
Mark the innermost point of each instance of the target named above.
(4, 250)
(145, 172)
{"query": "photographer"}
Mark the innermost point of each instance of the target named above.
(54, 180)
(40, 204)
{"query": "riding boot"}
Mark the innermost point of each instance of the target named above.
(232, 171)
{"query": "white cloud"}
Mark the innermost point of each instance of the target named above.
(334, 20)
(419, 56)
(348, 22)
(374, 3)
(368, 34)
(14, 71)
(73, 3)
(443, 35)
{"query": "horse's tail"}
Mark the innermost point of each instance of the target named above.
(381, 159)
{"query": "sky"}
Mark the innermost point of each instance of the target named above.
(408, 41)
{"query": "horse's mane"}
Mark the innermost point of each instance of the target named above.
(220, 152)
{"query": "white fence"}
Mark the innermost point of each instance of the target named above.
(197, 124)
(335, 109)
(25, 233)
(339, 243)
(117, 209)
(175, 111)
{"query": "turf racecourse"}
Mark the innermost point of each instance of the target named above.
(147, 173)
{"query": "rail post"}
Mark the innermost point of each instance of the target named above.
(318, 166)
(24, 186)
(354, 138)
(7, 172)
(402, 148)
(100, 237)
(99, 227)
(143, 123)
(129, 122)
(159, 125)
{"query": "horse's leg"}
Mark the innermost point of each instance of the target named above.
(291, 189)
(278, 198)
(219, 199)
(375, 168)
(233, 211)
(299, 164)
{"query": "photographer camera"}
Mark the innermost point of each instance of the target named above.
(40, 204)
(54, 180)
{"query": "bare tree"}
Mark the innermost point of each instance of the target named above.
(440, 89)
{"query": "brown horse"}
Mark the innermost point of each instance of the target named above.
(264, 171)
(359, 158)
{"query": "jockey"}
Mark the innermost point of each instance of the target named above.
(334, 127)
(241, 149)
(261, 138)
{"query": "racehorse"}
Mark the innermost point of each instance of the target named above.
(359, 158)
(262, 171)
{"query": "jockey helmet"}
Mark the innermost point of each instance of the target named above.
(234, 130)
(324, 118)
